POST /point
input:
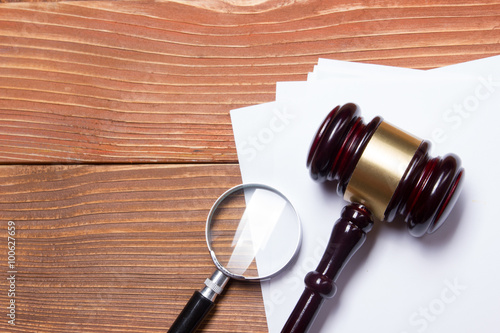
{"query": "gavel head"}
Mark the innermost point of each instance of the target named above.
(387, 170)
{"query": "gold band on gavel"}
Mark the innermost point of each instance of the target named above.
(381, 167)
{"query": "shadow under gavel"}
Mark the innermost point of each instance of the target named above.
(386, 174)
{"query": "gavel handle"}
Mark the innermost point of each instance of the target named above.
(348, 234)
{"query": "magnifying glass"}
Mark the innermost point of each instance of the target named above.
(253, 232)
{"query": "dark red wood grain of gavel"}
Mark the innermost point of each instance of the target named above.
(423, 197)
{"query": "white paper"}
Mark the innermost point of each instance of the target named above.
(442, 282)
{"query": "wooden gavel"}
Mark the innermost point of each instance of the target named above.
(386, 174)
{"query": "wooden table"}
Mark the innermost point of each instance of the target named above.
(115, 138)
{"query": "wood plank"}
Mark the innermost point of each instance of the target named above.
(117, 82)
(117, 248)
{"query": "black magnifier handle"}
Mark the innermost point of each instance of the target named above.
(199, 305)
(192, 315)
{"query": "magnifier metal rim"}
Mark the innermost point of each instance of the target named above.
(209, 238)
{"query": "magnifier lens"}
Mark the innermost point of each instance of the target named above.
(253, 232)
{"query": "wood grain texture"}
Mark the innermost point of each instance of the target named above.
(90, 87)
(113, 82)
(115, 248)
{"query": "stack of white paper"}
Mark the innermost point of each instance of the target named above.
(444, 282)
